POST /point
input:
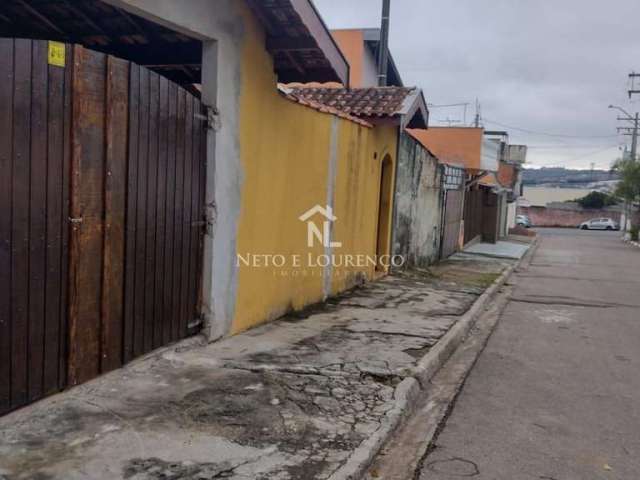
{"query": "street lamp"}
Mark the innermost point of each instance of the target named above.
(622, 110)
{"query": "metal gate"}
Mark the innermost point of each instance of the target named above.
(102, 169)
(452, 220)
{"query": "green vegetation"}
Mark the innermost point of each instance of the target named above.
(629, 185)
(634, 232)
(596, 200)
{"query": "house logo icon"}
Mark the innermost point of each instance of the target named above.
(313, 232)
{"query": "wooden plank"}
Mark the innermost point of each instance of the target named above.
(66, 228)
(37, 217)
(141, 214)
(169, 317)
(114, 220)
(131, 218)
(55, 224)
(186, 312)
(88, 205)
(178, 247)
(6, 167)
(152, 204)
(161, 212)
(20, 223)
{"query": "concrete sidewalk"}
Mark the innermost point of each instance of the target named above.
(305, 397)
(500, 249)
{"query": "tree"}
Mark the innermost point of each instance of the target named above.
(629, 185)
(596, 200)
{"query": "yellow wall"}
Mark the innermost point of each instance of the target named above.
(285, 150)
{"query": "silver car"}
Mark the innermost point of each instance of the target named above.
(599, 224)
(523, 221)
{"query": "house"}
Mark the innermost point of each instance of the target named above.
(419, 194)
(360, 47)
(180, 173)
(479, 155)
(506, 182)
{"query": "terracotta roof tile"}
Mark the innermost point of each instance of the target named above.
(372, 102)
(308, 102)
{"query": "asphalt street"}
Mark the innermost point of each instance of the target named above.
(556, 393)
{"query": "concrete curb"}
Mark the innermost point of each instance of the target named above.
(405, 396)
(440, 353)
(631, 242)
(408, 391)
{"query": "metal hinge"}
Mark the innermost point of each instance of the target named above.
(76, 220)
(212, 118)
(195, 325)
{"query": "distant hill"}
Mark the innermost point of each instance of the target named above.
(563, 177)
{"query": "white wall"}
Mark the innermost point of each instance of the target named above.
(369, 69)
(511, 214)
(490, 155)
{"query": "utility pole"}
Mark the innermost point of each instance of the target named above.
(383, 49)
(476, 121)
(633, 133)
(632, 78)
(634, 139)
(630, 131)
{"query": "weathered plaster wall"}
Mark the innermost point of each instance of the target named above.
(294, 158)
(418, 204)
(511, 215)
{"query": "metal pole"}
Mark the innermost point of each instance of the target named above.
(633, 154)
(634, 138)
(383, 52)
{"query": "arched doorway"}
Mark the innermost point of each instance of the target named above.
(384, 209)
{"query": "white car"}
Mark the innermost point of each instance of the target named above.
(599, 224)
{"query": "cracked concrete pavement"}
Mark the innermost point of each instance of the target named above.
(290, 400)
(555, 394)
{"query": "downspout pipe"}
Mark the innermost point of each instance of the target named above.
(383, 48)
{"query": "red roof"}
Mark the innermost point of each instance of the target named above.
(307, 102)
(371, 102)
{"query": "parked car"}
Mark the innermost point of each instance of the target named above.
(599, 224)
(523, 221)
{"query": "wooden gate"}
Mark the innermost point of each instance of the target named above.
(473, 213)
(35, 123)
(101, 210)
(452, 220)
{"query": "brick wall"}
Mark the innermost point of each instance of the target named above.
(562, 217)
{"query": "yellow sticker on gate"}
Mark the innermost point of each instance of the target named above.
(57, 54)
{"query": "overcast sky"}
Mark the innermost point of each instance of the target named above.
(545, 66)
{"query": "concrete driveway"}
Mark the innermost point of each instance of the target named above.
(556, 393)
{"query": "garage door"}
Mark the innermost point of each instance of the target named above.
(101, 209)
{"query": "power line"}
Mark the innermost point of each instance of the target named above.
(433, 105)
(558, 135)
(567, 146)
